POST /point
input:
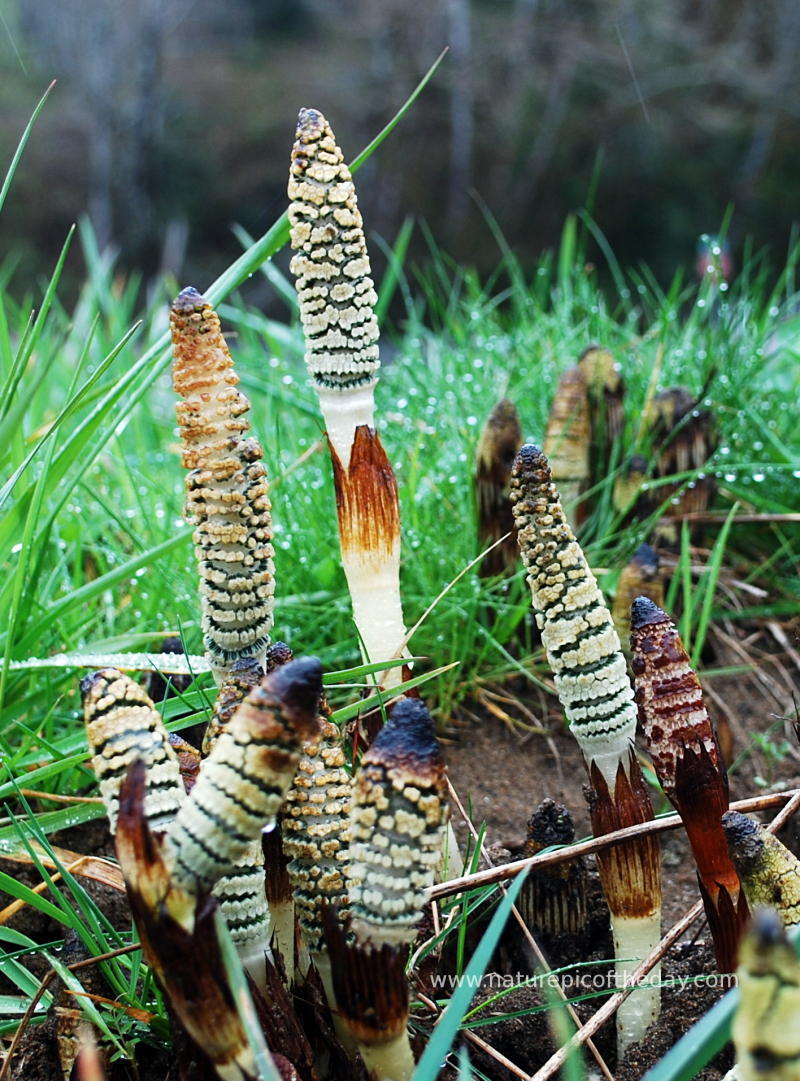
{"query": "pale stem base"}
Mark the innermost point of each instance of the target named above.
(634, 939)
(392, 1061)
(377, 608)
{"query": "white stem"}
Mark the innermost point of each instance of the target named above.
(343, 411)
(392, 1061)
(634, 939)
(374, 584)
(322, 962)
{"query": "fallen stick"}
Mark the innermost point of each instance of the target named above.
(658, 825)
(105, 871)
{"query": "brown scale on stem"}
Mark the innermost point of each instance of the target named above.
(687, 760)
(399, 813)
(499, 442)
(606, 391)
(567, 441)
(186, 961)
(226, 489)
(336, 298)
(367, 503)
(639, 578)
(591, 679)
(630, 873)
(683, 438)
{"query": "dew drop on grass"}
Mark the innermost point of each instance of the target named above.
(758, 477)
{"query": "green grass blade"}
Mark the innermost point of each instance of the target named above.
(22, 143)
(51, 822)
(370, 148)
(267, 1070)
(96, 587)
(21, 892)
(444, 1034)
(395, 257)
(710, 579)
(339, 716)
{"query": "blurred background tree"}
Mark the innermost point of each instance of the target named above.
(172, 119)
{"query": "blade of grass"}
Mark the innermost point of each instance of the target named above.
(267, 1070)
(22, 143)
(709, 586)
(444, 1034)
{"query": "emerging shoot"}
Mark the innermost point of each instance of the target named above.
(687, 760)
(584, 653)
(226, 490)
(766, 1027)
(499, 442)
(336, 297)
(769, 872)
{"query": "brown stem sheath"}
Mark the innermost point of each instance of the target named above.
(689, 765)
